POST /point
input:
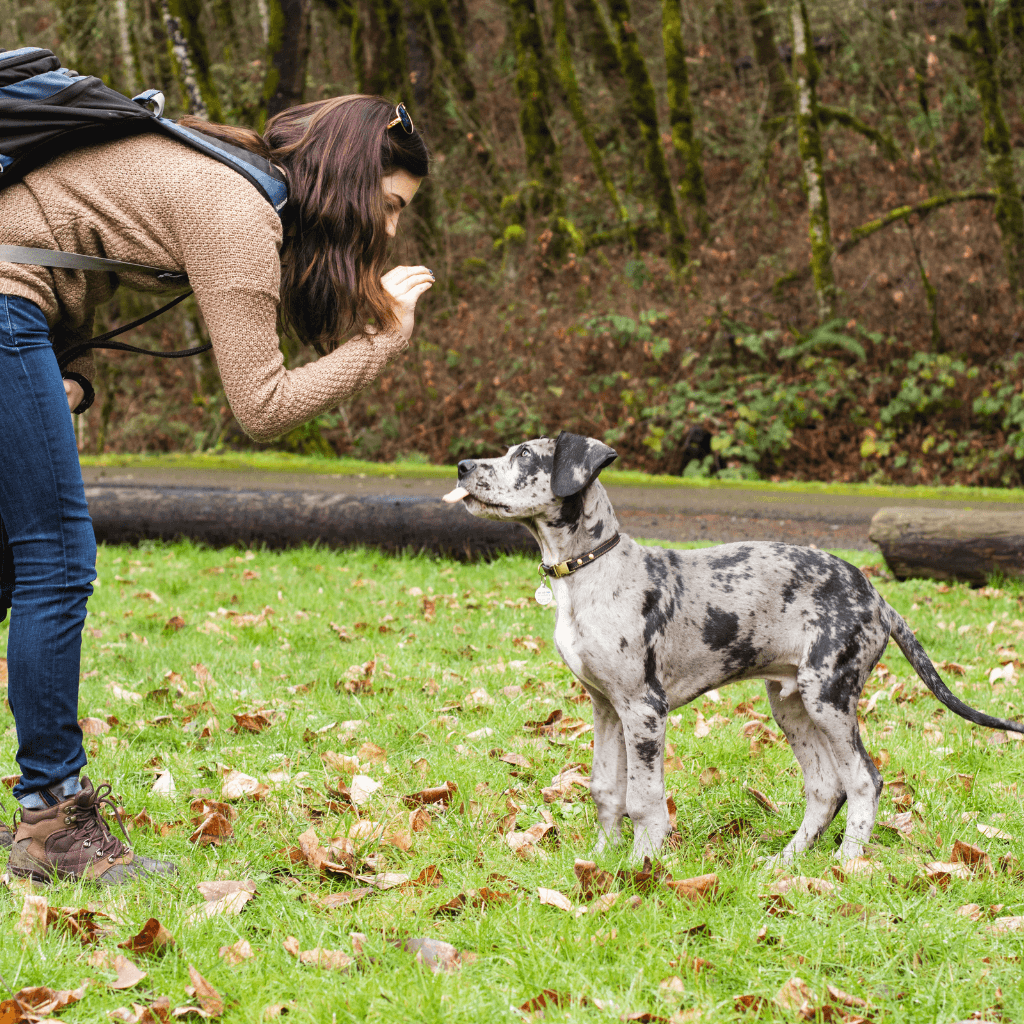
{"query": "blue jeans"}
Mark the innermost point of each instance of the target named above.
(52, 549)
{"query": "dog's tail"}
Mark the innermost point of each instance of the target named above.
(918, 657)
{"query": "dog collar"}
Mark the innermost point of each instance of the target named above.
(571, 565)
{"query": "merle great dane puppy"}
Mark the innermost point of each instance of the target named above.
(647, 630)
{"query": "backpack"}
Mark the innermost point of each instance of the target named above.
(46, 110)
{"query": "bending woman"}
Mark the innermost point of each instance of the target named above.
(352, 163)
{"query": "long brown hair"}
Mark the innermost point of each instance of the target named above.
(335, 237)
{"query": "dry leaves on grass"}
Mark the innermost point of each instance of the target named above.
(558, 728)
(964, 862)
(38, 1002)
(237, 785)
(127, 973)
(524, 844)
(153, 938)
(334, 900)
(563, 785)
(237, 953)
(211, 1003)
(84, 923)
(326, 959)
(596, 882)
(437, 956)
(441, 795)
(155, 1012)
(801, 883)
(473, 898)
(212, 829)
(231, 902)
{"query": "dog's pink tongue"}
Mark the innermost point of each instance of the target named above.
(457, 495)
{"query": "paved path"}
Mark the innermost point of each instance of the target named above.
(662, 513)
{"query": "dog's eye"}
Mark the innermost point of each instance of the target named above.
(523, 453)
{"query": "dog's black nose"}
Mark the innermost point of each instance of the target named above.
(466, 466)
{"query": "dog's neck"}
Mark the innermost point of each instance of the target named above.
(586, 520)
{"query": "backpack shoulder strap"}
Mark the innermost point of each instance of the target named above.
(59, 259)
(268, 180)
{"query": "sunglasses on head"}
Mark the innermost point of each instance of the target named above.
(401, 117)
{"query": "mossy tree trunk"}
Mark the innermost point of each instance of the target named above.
(766, 56)
(806, 71)
(187, 13)
(181, 55)
(600, 45)
(680, 115)
(385, 56)
(288, 53)
(129, 71)
(979, 48)
(452, 47)
(571, 88)
(645, 106)
(725, 14)
(543, 160)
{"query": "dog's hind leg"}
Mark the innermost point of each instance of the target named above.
(608, 774)
(823, 789)
(837, 719)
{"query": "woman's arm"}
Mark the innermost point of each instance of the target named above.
(232, 263)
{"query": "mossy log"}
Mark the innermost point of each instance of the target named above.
(948, 544)
(282, 519)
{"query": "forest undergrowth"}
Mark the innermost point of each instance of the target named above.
(914, 377)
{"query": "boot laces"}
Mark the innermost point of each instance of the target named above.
(94, 828)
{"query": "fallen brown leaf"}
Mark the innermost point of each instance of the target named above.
(547, 997)
(211, 830)
(152, 938)
(553, 898)
(33, 918)
(434, 954)
(594, 881)
(209, 998)
(237, 953)
(213, 891)
(697, 889)
(338, 899)
(759, 797)
(435, 795)
(975, 856)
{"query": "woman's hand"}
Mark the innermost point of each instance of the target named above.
(405, 285)
(75, 394)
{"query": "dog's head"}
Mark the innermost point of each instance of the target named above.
(543, 479)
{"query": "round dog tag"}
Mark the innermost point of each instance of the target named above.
(543, 594)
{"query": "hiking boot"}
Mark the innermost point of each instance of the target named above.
(72, 840)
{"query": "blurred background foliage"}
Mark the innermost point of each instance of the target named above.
(729, 237)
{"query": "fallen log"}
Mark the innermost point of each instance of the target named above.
(941, 544)
(125, 514)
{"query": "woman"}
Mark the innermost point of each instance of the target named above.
(353, 163)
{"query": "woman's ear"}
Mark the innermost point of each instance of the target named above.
(578, 460)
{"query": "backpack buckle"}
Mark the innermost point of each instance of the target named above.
(153, 99)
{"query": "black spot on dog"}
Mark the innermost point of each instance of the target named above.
(623, 644)
(569, 513)
(648, 751)
(596, 530)
(654, 697)
(720, 628)
(656, 618)
(739, 557)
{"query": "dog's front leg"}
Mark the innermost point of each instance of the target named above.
(608, 774)
(644, 732)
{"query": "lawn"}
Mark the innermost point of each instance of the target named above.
(313, 694)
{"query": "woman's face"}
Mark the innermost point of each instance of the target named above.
(399, 187)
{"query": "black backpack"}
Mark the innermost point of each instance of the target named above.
(46, 110)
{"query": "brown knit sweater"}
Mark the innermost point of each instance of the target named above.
(155, 201)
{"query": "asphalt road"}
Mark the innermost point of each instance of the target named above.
(659, 513)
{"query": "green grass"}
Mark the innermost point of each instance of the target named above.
(282, 462)
(915, 959)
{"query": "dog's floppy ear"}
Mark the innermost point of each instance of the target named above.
(578, 460)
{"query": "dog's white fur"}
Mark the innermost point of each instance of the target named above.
(647, 630)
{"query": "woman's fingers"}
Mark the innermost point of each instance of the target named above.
(401, 292)
(398, 275)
